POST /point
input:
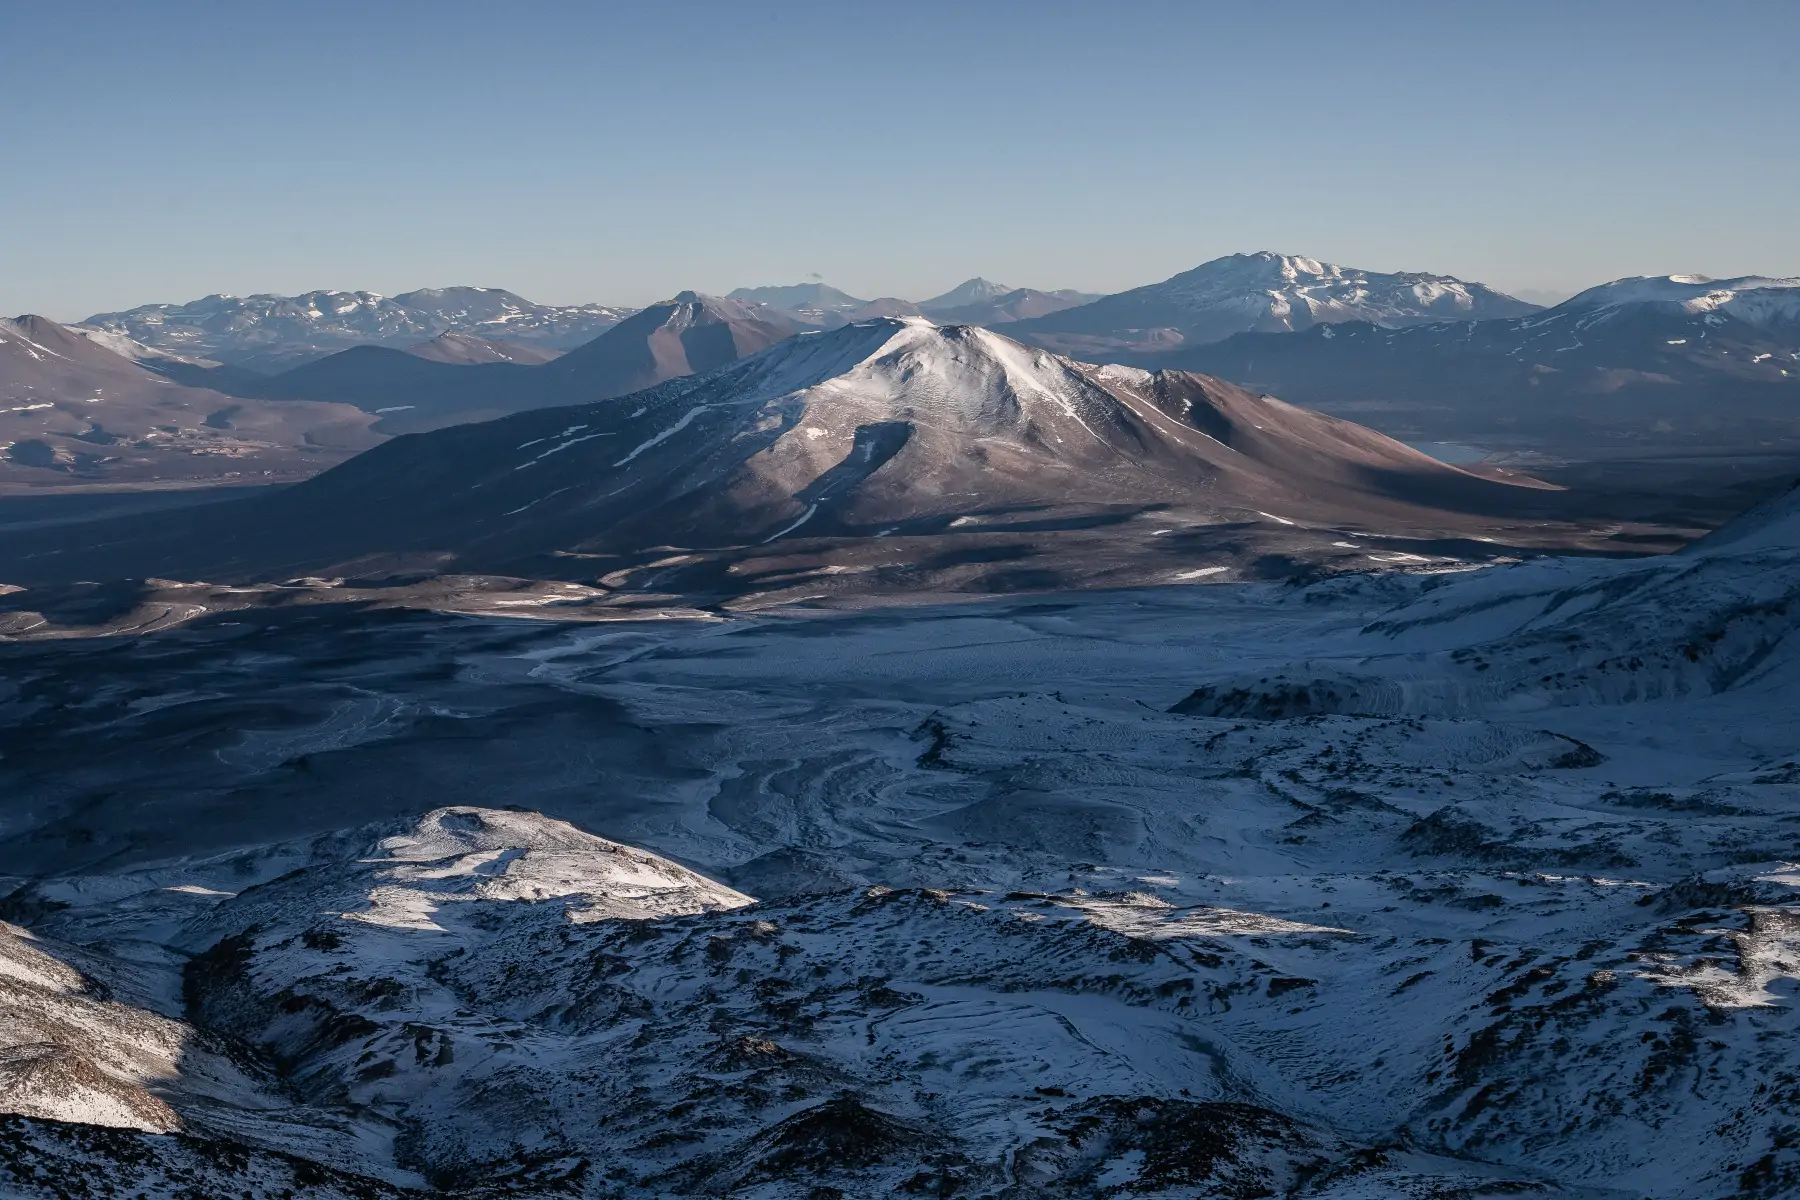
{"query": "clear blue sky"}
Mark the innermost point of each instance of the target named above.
(623, 151)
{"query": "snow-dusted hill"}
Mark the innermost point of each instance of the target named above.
(1263, 292)
(270, 332)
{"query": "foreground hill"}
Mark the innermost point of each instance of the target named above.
(898, 443)
(75, 412)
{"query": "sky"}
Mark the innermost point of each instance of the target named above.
(621, 152)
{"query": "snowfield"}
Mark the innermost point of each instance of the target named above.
(1471, 885)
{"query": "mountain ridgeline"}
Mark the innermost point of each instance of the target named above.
(412, 391)
(1668, 361)
(273, 333)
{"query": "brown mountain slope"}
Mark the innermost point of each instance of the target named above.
(75, 413)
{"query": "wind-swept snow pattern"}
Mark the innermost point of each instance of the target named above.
(1469, 885)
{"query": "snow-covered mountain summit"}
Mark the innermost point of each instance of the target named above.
(1754, 299)
(969, 291)
(1267, 292)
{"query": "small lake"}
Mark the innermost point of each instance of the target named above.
(1453, 453)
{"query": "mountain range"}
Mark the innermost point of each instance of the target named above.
(1262, 292)
(781, 749)
(1640, 362)
(271, 333)
(896, 449)
(410, 390)
(1670, 360)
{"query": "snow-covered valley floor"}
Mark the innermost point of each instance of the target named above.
(1451, 886)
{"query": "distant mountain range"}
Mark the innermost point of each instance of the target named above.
(272, 333)
(83, 410)
(1669, 359)
(428, 387)
(1261, 292)
(1421, 355)
(935, 452)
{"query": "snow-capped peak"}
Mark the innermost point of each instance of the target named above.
(970, 291)
(1756, 299)
(1269, 292)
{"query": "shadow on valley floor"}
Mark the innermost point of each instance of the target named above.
(267, 724)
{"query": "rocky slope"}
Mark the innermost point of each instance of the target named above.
(74, 411)
(690, 334)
